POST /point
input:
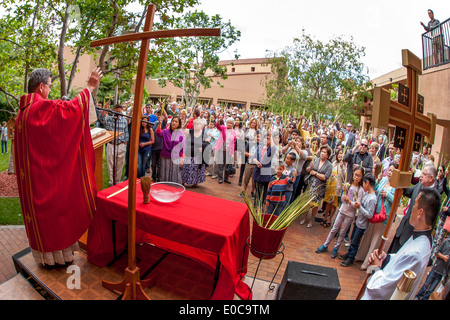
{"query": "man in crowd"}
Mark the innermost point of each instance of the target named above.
(389, 159)
(118, 146)
(405, 229)
(413, 254)
(359, 156)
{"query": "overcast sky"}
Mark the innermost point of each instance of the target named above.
(383, 27)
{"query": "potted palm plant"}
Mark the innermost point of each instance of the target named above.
(268, 230)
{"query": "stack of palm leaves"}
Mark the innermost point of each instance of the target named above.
(301, 205)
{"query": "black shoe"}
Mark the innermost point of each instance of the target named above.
(346, 263)
(343, 256)
(227, 181)
(240, 184)
(57, 265)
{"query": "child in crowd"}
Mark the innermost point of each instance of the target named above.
(276, 193)
(289, 171)
(365, 212)
(4, 138)
(347, 211)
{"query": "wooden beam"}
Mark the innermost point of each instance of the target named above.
(205, 32)
(409, 59)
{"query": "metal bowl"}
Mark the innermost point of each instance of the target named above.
(166, 192)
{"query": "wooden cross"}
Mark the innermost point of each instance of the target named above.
(132, 286)
(386, 112)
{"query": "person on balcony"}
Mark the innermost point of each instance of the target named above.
(433, 23)
(438, 53)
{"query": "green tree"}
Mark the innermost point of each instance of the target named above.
(318, 78)
(34, 33)
(191, 63)
(26, 43)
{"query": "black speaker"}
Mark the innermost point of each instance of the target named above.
(303, 281)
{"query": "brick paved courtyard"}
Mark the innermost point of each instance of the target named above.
(300, 244)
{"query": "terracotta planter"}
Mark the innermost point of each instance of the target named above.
(265, 242)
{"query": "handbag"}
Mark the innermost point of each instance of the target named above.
(380, 216)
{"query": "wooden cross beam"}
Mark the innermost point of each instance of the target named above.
(132, 287)
(386, 112)
(407, 117)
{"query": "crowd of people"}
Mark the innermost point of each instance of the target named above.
(277, 157)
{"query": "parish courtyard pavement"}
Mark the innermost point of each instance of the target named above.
(300, 244)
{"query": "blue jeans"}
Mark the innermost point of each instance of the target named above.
(4, 146)
(142, 163)
(357, 234)
(288, 195)
(294, 189)
(429, 286)
(275, 208)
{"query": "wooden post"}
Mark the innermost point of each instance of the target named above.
(407, 116)
(132, 287)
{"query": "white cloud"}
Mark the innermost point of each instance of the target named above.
(384, 27)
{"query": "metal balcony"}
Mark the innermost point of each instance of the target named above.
(436, 45)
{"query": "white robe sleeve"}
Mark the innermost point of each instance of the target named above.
(381, 285)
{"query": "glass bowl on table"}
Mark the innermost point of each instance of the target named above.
(166, 192)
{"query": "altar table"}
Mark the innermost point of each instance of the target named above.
(198, 226)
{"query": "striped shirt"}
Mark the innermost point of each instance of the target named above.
(122, 126)
(277, 188)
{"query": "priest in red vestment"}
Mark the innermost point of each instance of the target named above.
(54, 161)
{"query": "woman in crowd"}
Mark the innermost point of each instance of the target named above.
(211, 136)
(441, 181)
(193, 170)
(381, 153)
(297, 145)
(248, 136)
(263, 170)
(373, 150)
(146, 139)
(372, 237)
(183, 118)
(319, 173)
(311, 154)
(334, 189)
(173, 144)
(239, 130)
(341, 137)
(224, 149)
(440, 232)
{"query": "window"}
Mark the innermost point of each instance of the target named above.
(233, 69)
(253, 69)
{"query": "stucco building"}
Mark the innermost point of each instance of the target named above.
(243, 88)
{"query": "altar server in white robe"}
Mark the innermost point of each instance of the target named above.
(413, 255)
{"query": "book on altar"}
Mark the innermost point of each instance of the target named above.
(98, 135)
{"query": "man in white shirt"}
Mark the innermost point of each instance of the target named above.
(413, 255)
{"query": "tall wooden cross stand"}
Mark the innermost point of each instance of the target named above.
(132, 286)
(410, 123)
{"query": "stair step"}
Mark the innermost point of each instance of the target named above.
(18, 288)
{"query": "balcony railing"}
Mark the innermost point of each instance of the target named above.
(436, 45)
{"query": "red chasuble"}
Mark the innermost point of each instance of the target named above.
(54, 163)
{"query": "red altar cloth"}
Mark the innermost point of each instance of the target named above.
(198, 226)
